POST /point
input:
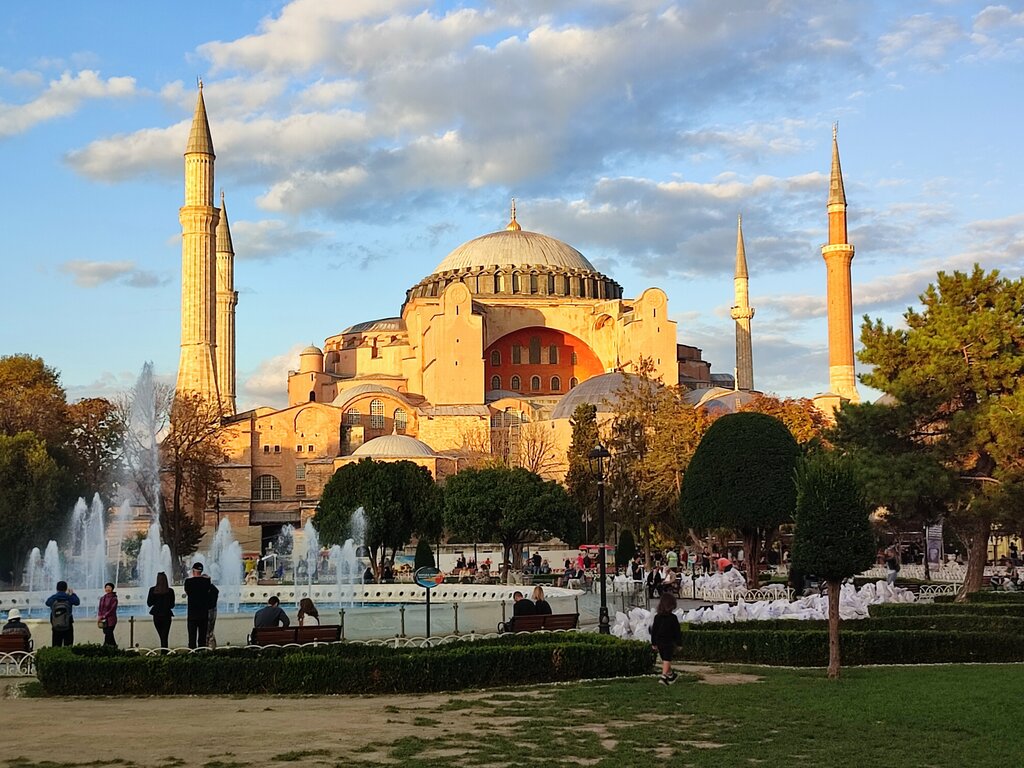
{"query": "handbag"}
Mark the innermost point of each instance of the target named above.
(101, 623)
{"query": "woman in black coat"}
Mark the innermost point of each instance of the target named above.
(161, 603)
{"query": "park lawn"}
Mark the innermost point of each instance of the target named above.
(881, 716)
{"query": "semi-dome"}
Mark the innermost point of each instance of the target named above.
(347, 395)
(515, 248)
(395, 447)
(600, 391)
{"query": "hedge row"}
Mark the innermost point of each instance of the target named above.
(950, 622)
(342, 668)
(810, 648)
(989, 596)
(926, 609)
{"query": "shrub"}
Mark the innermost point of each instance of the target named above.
(950, 622)
(924, 609)
(809, 648)
(343, 668)
(995, 597)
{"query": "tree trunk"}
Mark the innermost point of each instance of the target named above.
(833, 629)
(752, 553)
(977, 551)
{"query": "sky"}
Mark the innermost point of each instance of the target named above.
(360, 141)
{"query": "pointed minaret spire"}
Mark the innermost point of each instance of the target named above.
(227, 300)
(838, 255)
(513, 225)
(197, 368)
(742, 313)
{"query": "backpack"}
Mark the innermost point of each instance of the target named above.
(60, 616)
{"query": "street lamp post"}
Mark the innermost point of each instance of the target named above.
(598, 456)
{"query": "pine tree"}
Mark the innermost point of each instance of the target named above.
(579, 480)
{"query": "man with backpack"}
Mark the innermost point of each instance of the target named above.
(62, 622)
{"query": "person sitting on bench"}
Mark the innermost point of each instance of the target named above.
(271, 615)
(522, 606)
(540, 605)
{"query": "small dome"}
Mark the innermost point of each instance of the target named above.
(515, 248)
(383, 324)
(311, 350)
(600, 391)
(394, 446)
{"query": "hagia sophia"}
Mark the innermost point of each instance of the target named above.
(509, 332)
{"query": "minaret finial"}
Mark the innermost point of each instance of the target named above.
(835, 130)
(200, 81)
(513, 225)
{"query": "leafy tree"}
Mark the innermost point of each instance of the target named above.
(741, 477)
(399, 500)
(653, 435)
(424, 555)
(580, 481)
(30, 504)
(800, 415)
(32, 400)
(511, 506)
(833, 537)
(897, 469)
(96, 444)
(625, 549)
(957, 367)
(191, 455)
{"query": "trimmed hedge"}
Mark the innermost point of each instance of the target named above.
(946, 609)
(953, 622)
(342, 668)
(810, 648)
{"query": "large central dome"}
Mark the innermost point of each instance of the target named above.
(515, 248)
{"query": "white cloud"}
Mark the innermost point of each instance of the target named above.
(922, 39)
(270, 239)
(91, 274)
(61, 98)
(268, 383)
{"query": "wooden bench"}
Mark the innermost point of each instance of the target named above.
(15, 644)
(327, 633)
(534, 622)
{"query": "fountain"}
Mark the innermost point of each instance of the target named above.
(223, 562)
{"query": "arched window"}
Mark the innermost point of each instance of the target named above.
(553, 354)
(401, 421)
(551, 284)
(573, 382)
(515, 384)
(266, 488)
(376, 414)
(495, 357)
(533, 283)
(556, 384)
(312, 396)
(516, 284)
(535, 383)
(495, 382)
(353, 418)
(517, 354)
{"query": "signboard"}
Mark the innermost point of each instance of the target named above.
(933, 544)
(428, 578)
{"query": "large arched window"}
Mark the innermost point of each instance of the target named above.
(556, 384)
(495, 357)
(515, 384)
(266, 488)
(535, 383)
(401, 421)
(495, 382)
(353, 418)
(376, 414)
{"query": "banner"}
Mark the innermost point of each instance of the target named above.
(933, 544)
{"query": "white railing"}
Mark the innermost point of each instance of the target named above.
(17, 664)
(776, 592)
(929, 592)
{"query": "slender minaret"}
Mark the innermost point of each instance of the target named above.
(742, 312)
(227, 300)
(838, 255)
(197, 370)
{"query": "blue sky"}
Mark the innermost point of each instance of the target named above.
(359, 142)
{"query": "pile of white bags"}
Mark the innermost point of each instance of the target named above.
(853, 604)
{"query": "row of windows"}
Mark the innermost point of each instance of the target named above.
(560, 285)
(298, 448)
(354, 418)
(516, 384)
(535, 354)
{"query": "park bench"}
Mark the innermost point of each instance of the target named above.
(543, 621)
(15, 644)
(328, 633)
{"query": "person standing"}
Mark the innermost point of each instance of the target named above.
(62, 620)
(106, 614)
(201, 595)
(666, 635)
(161, 604)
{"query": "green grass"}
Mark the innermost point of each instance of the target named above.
(906, 716)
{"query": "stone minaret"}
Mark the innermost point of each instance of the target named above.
(227, 300)
(197, 370)
(742, 312)
(838, 255)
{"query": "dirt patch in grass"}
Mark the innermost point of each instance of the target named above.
(712, 676)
